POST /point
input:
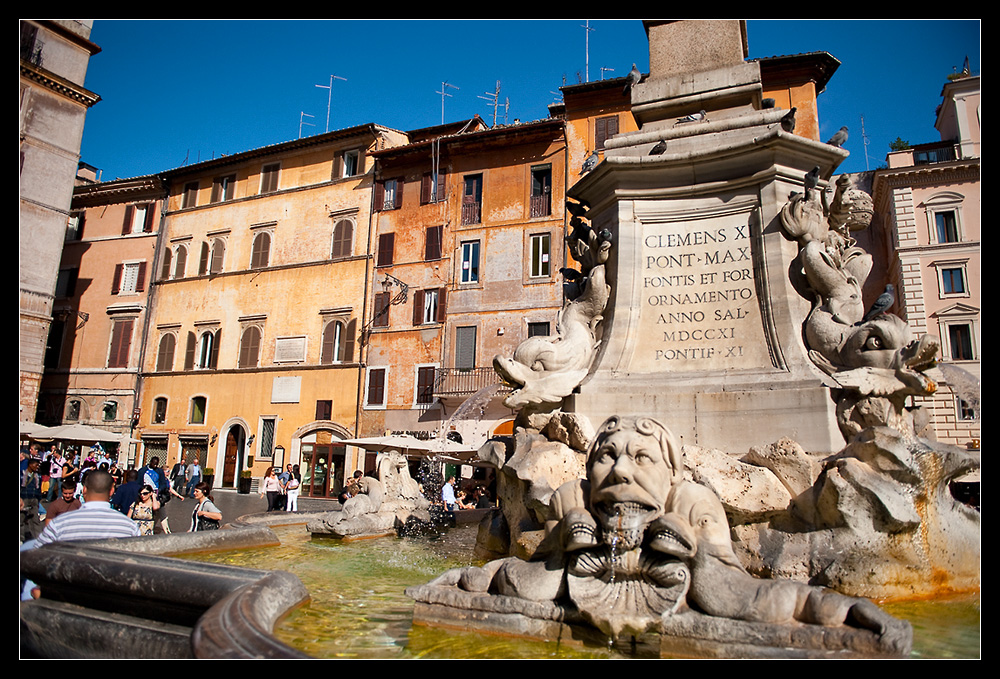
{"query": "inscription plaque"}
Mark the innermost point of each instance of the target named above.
(698, 302)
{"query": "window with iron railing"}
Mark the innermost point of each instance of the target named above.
(472, 199)
(541, 192)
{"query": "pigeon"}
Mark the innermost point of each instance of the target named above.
(590, 163)
(788, 121)
(840, 138)
(811, 178)
(633, 78)
(767, 103)
(884, 301)
(693, 118)
(660, 147)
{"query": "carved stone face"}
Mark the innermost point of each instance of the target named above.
(631, 468)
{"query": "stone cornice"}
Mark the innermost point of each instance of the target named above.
(55, 83)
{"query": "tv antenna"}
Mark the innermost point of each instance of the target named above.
(587, 30)
(444, 93)
(605, 68)
(864, 140)
(302, 115)
(495, 99)
(329, 97)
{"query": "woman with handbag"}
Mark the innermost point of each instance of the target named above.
(206, 515)
(143, 509)
(271, 487)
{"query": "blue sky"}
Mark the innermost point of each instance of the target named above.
(176, 92)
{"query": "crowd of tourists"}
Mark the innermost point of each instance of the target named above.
(69, 494)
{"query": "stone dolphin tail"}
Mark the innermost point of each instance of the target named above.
(696, 529)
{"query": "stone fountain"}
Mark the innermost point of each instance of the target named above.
(720, 293)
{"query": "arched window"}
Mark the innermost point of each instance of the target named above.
(250, 347)
(165, 269)
(180, 261)
(208, 350)
(218, 255)
(343, 236)
(261, 254)
(165, 354)
(338, 342)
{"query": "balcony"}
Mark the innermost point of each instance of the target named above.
(454, 384)
(472, 213)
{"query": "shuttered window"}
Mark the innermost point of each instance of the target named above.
(343, 237)
(381, 316)
(432, 244)
(269, 177)
(604, 129)
(250, 347)
(121, 343)
(260, 257)
(386, 243)
(465, 347)
(165, 354)
(425, 385)
(376, 387)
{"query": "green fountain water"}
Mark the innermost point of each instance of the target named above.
(358, 608)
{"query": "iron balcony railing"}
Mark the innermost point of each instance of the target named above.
(452, 382)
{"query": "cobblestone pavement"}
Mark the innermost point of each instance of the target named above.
(233, 505)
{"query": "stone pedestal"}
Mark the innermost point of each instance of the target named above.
(703, 329)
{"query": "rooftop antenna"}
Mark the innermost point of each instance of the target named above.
(587, 30)
(605, 68)
(444, 93)
(329, 98)
(495, 98)
(303, 114)
(864, 140)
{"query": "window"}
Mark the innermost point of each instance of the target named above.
(947, 227)
(966, 411)
(250, 347)
(470, 262)
(121, 343)
(190, 196)
(138, 219)
(538, 329)
(386, 242)
(380, 319)
(159, 410)
(541, 191)
(429, 306)
(338, 342)
(73, 410)
(165, 268)
(110, 411)
(350, 163)
(472, 199)
(53, 345)
(198, 407)
(432, 243)
(269, 177)
(425, 385)
(66, 283)
(74, 226)
(218, 254)
(465, 347)
(180, 262)
(203, 352)
(129, 278)
(267, 437)
(604, 129)
(389, 194)
(165, 353)
(324, 410)
(223, 188)
(960, 342)
(953, 280)
(539, 256)
(206, 254)
(432, 188)
(375, 389)
(260, 256)
(343, 239)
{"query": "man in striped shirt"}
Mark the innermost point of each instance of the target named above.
(95, 520)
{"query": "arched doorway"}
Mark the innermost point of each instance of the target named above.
(235, 442)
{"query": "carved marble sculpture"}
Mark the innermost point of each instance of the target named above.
(382, 506)
(544, 370)
(874, 358)
(635, 543)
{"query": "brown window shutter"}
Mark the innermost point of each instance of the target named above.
(442, 304)
(425, 188)
(381, 318)
(203, 264)
(398, 202)
(379, 195)
(442, 179)
(347, 342)
(127, 225)
(218, 254)
(376, 386)
(147, 227)
(432, 247)
(213, 359)
(116, 282)
(342, 237)
(121, 341)
(386, 242)
(418, 307)
(165, 356)
(165, 269)
(192, 345)
(326, 350)
(140, 279)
